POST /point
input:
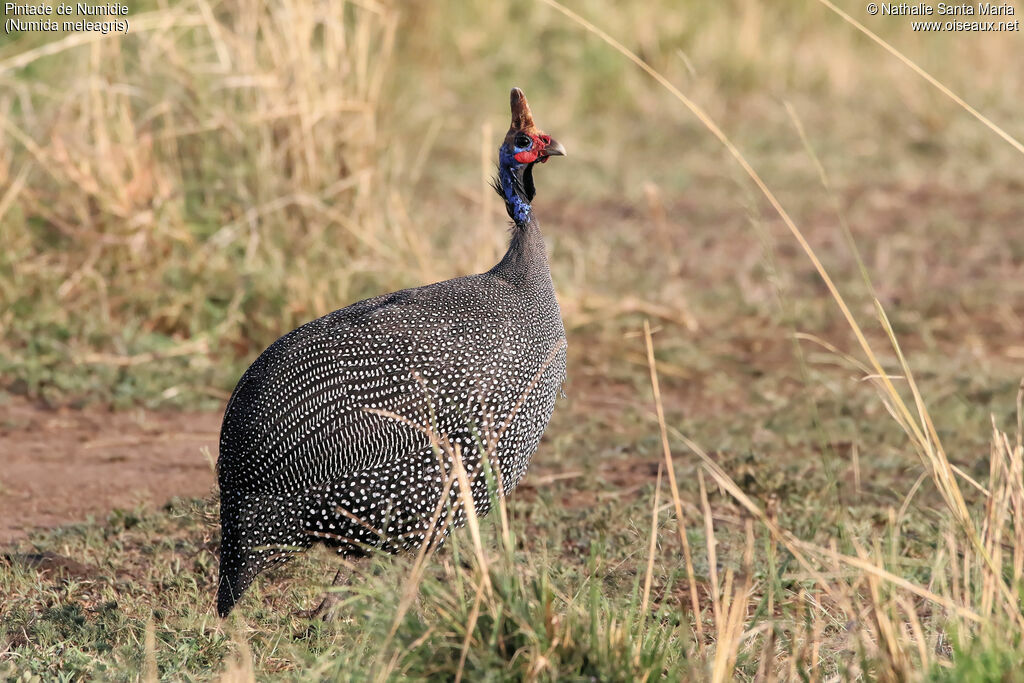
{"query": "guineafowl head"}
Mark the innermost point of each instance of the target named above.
(524, 146)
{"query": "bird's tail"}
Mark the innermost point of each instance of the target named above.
(233, 582)
(254, 537)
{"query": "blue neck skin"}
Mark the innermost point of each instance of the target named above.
(510, 175)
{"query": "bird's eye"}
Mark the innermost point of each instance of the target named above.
(523, 141)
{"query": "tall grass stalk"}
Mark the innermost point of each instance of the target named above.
(674, 487)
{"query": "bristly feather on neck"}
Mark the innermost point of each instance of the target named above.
(514, 184)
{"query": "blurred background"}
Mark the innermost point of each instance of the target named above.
(173, 200)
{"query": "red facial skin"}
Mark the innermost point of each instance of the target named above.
(540, 142)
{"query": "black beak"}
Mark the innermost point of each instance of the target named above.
(554, 149)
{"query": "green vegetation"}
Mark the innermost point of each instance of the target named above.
(173, 200)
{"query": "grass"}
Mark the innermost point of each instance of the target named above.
(176, 199)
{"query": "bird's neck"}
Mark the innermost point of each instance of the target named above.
(515, 185)
(526, 260)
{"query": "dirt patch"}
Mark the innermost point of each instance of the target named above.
(52, 564)
(62, 465)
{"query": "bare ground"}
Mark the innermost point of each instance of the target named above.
(63, 464)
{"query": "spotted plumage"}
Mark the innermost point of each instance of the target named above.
(332, 434)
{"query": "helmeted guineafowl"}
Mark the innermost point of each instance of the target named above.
(327, 437)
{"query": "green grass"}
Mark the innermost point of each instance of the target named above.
(160, 233)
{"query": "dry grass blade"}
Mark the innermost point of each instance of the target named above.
(152, 673)
(834, 350)
(8, 197)
(730, 634)
(469, 510)
(193, 347)
(894, 656)
(559, 346)
(942, 472)
(925, 75)
(652, 546)
(918, 637)
(709, 533)
(474, 614)
(240, 667)
(674, 487)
